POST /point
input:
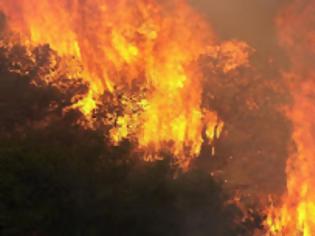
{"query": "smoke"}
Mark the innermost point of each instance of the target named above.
(2, 23)
(251, 21)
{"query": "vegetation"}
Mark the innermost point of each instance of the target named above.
(59, 178)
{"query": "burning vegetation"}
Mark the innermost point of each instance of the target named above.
(295, 216)
(144, 56)
(124, 117)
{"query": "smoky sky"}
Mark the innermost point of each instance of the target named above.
(248, 20)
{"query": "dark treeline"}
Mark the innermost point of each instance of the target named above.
(58, 178)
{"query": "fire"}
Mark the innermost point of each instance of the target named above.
(296, 216)
(146, 47)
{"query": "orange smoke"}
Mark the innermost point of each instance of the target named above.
(144, 46)
(296, 216)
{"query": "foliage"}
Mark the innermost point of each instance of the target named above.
(58, 178)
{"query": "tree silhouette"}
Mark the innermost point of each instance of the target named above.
(59, 178)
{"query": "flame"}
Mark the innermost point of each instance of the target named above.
(125, 45)
(296, 215)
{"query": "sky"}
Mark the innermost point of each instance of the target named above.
(248, 20)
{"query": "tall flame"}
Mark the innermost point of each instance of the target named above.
(296, 216)
(123, 45)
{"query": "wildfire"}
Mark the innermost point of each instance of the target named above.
(141, 59)
(146, 47)
(296, 216)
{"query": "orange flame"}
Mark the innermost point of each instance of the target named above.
(296, 216)
(123, 44)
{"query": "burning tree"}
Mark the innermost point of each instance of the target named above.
(59, 176)
(296, 33)
(150, 53)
